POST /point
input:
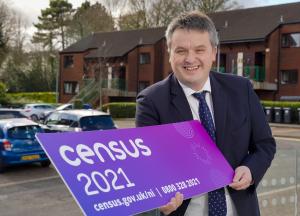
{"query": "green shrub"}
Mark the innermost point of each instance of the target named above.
(33, 97)
(4, 99)
(291, 104)
(17, 100)
(120, 110)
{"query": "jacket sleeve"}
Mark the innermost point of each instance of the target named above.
(262, 144)
(146, 113)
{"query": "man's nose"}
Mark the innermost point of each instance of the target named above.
(190, 57)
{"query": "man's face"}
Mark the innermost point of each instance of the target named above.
(191, 57)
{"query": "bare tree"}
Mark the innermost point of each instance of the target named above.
(6, 30)
(136, 18)
(208, 6)
(153, 13)
(162, 12)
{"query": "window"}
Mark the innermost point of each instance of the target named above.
(71, 87)
(290, 40)
(101, 122)
(145, 58)
(68, 61)
(23, 132)
(289, 77)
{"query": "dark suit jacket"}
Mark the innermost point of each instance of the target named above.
(243, 134)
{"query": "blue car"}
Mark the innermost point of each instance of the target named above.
(18, 144)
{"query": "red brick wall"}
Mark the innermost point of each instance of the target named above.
(74, 73)
(290, 60)
(160, 68)
(131, 70)
(146, 71)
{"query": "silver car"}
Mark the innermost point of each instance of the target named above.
(35, 111)
(79, 120)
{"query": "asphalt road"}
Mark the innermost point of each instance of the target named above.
(32, 190)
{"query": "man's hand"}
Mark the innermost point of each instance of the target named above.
(173, 204)
(242, 178)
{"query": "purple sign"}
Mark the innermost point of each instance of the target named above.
(128, 171)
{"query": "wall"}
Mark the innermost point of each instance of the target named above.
(290, 58)
(74, 73)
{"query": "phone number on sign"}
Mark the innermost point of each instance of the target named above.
(180, 185)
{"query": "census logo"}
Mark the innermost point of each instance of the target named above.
(129, 171)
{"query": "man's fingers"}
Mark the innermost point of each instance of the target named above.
(242, 184)
(242, 178)
(238, 175)
(174, 203)
(179, 198)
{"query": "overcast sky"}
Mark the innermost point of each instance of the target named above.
(32, 8)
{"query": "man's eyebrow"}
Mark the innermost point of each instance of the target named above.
(179, 47)
(201, 46)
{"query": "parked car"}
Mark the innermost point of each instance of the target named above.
(36, 111)
(6, 113)
(67, 106)
(18, 144)
(79, 120)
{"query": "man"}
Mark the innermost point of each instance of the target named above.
(234, 113)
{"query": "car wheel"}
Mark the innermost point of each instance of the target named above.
(34, 118)
(45, 163)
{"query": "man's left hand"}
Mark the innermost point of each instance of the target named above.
(242, 178)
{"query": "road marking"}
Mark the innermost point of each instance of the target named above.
(28, 181)
(287, 138)
(286, 130)
(277, 191)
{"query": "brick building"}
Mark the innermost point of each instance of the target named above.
(262, 44)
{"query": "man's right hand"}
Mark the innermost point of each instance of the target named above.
(173, 204)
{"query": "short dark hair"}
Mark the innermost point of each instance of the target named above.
(194, 20)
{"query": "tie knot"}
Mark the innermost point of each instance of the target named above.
(200, 95)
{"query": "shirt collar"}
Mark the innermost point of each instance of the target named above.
(188, 91)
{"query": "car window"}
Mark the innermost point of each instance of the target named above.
(74, 124)
(47, 107)
(53, 119)
(102, 122)
(1, 134)
(42, 107)
(11, 114)
(23, 132)
(65, 121)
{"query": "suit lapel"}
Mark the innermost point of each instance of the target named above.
(179, 101)
(220, 109)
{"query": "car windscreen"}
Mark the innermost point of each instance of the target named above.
(101, 122)
(11, 114)
(23, 132)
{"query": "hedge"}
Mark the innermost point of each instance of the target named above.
(291, 104)
(31, 97)
(120, 110)
(127, 109)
